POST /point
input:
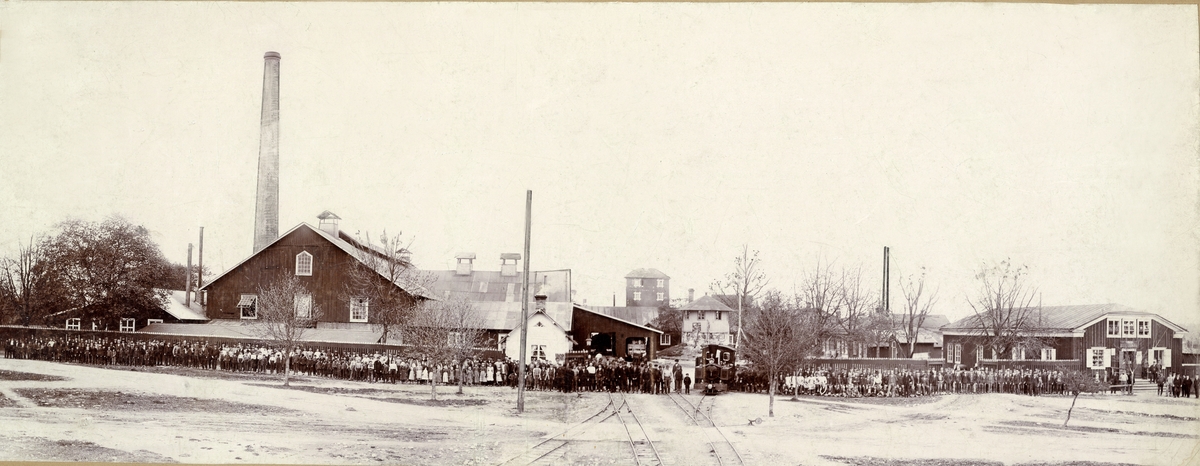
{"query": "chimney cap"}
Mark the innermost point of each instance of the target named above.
(326, 215)
(465, 255)
(510, 255)
(274, 55)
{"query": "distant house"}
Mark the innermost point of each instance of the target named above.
(319, 257)
(929, 339)
(173, 311)
(504, 285)
(647, 288)
(1094, 337)
(707, 321)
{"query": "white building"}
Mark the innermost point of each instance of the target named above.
(706, 321)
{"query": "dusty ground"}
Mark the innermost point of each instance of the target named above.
(59, 412)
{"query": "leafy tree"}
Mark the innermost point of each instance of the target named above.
(177, 276)
(669, 320)
(29, 287)
(917, 304)
(1005, 315)
(1076, 382)
(286, 311)
(385, 277)
(744, 283)
(108, 269)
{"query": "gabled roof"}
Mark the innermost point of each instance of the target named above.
(706, 303)
(933, 322)
(646, 273)
(585, 309)
(181, 311)
(1068, 318)
(340, 243)
(641, 315)
(492, 286)
(535, 314)
(507, 315)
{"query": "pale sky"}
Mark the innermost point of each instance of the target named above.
(664, 136)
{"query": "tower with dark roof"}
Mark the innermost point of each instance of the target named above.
(647, 287)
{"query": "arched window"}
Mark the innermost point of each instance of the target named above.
(304, 264)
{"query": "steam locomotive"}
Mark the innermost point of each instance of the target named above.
(715, 369)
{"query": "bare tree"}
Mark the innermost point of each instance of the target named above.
(779, 336)
(1006, 316)
(466, 335)
(745, 283)
(917, 305)
(430, 335)
(821, 296)
(385, 280)
(856, 306)
(28, 284)
(286, 311)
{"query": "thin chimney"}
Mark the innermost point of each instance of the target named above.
(266, 207)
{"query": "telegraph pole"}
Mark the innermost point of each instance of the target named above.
(200, 272)
(524, 306)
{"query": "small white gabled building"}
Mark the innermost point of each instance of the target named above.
(546, 339)
(706, 321)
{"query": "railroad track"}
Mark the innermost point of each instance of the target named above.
(720, 446)
(550, 450)
(643, 449)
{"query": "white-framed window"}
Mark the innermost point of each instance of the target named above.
(635, 282)
(1097, 358)
(1143, 328)
(95, 325)
(978, 353)
(302, 303)
(1114, 328)
(248, 305)
(1161, 356)
(304, 264)
(701, 315)
(1128, 328)
(148, 321)
(637, 295)
(660, 296)
(1049, 354)
(1018, 353)
(661, 284)
(718, 315)
(359, 309)
(958, 353)
(537, 352)
(73, 324)
(127, 324)
(664, 339)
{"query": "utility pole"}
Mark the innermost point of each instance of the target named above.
(524, 307)
(187, 280)
(200, 272)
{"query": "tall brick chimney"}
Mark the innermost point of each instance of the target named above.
(266, 206)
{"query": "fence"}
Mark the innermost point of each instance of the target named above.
(1053, 364)
(876, 363)
(14, 331)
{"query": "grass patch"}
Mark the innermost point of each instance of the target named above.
(110, 400)
(20, 376)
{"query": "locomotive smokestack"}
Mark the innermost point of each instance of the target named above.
(266, 207)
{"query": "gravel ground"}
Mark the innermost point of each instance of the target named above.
(61, 412)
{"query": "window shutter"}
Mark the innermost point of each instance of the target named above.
(1166, 358)
(1108, 354)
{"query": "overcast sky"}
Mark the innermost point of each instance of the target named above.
(664, 136)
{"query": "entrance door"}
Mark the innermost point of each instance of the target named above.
(1128, 359)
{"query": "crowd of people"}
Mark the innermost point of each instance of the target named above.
(597, 373)
(591, 374)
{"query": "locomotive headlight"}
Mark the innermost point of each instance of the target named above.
(710, 386)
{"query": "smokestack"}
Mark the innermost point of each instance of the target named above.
(691, 294)
(266, 207)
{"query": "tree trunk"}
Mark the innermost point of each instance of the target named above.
(287, 366)
(1071, 408)
(433, 385)
(771, 396)
(461, 373)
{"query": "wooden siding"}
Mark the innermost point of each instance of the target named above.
(584, 323)
(326, 284)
